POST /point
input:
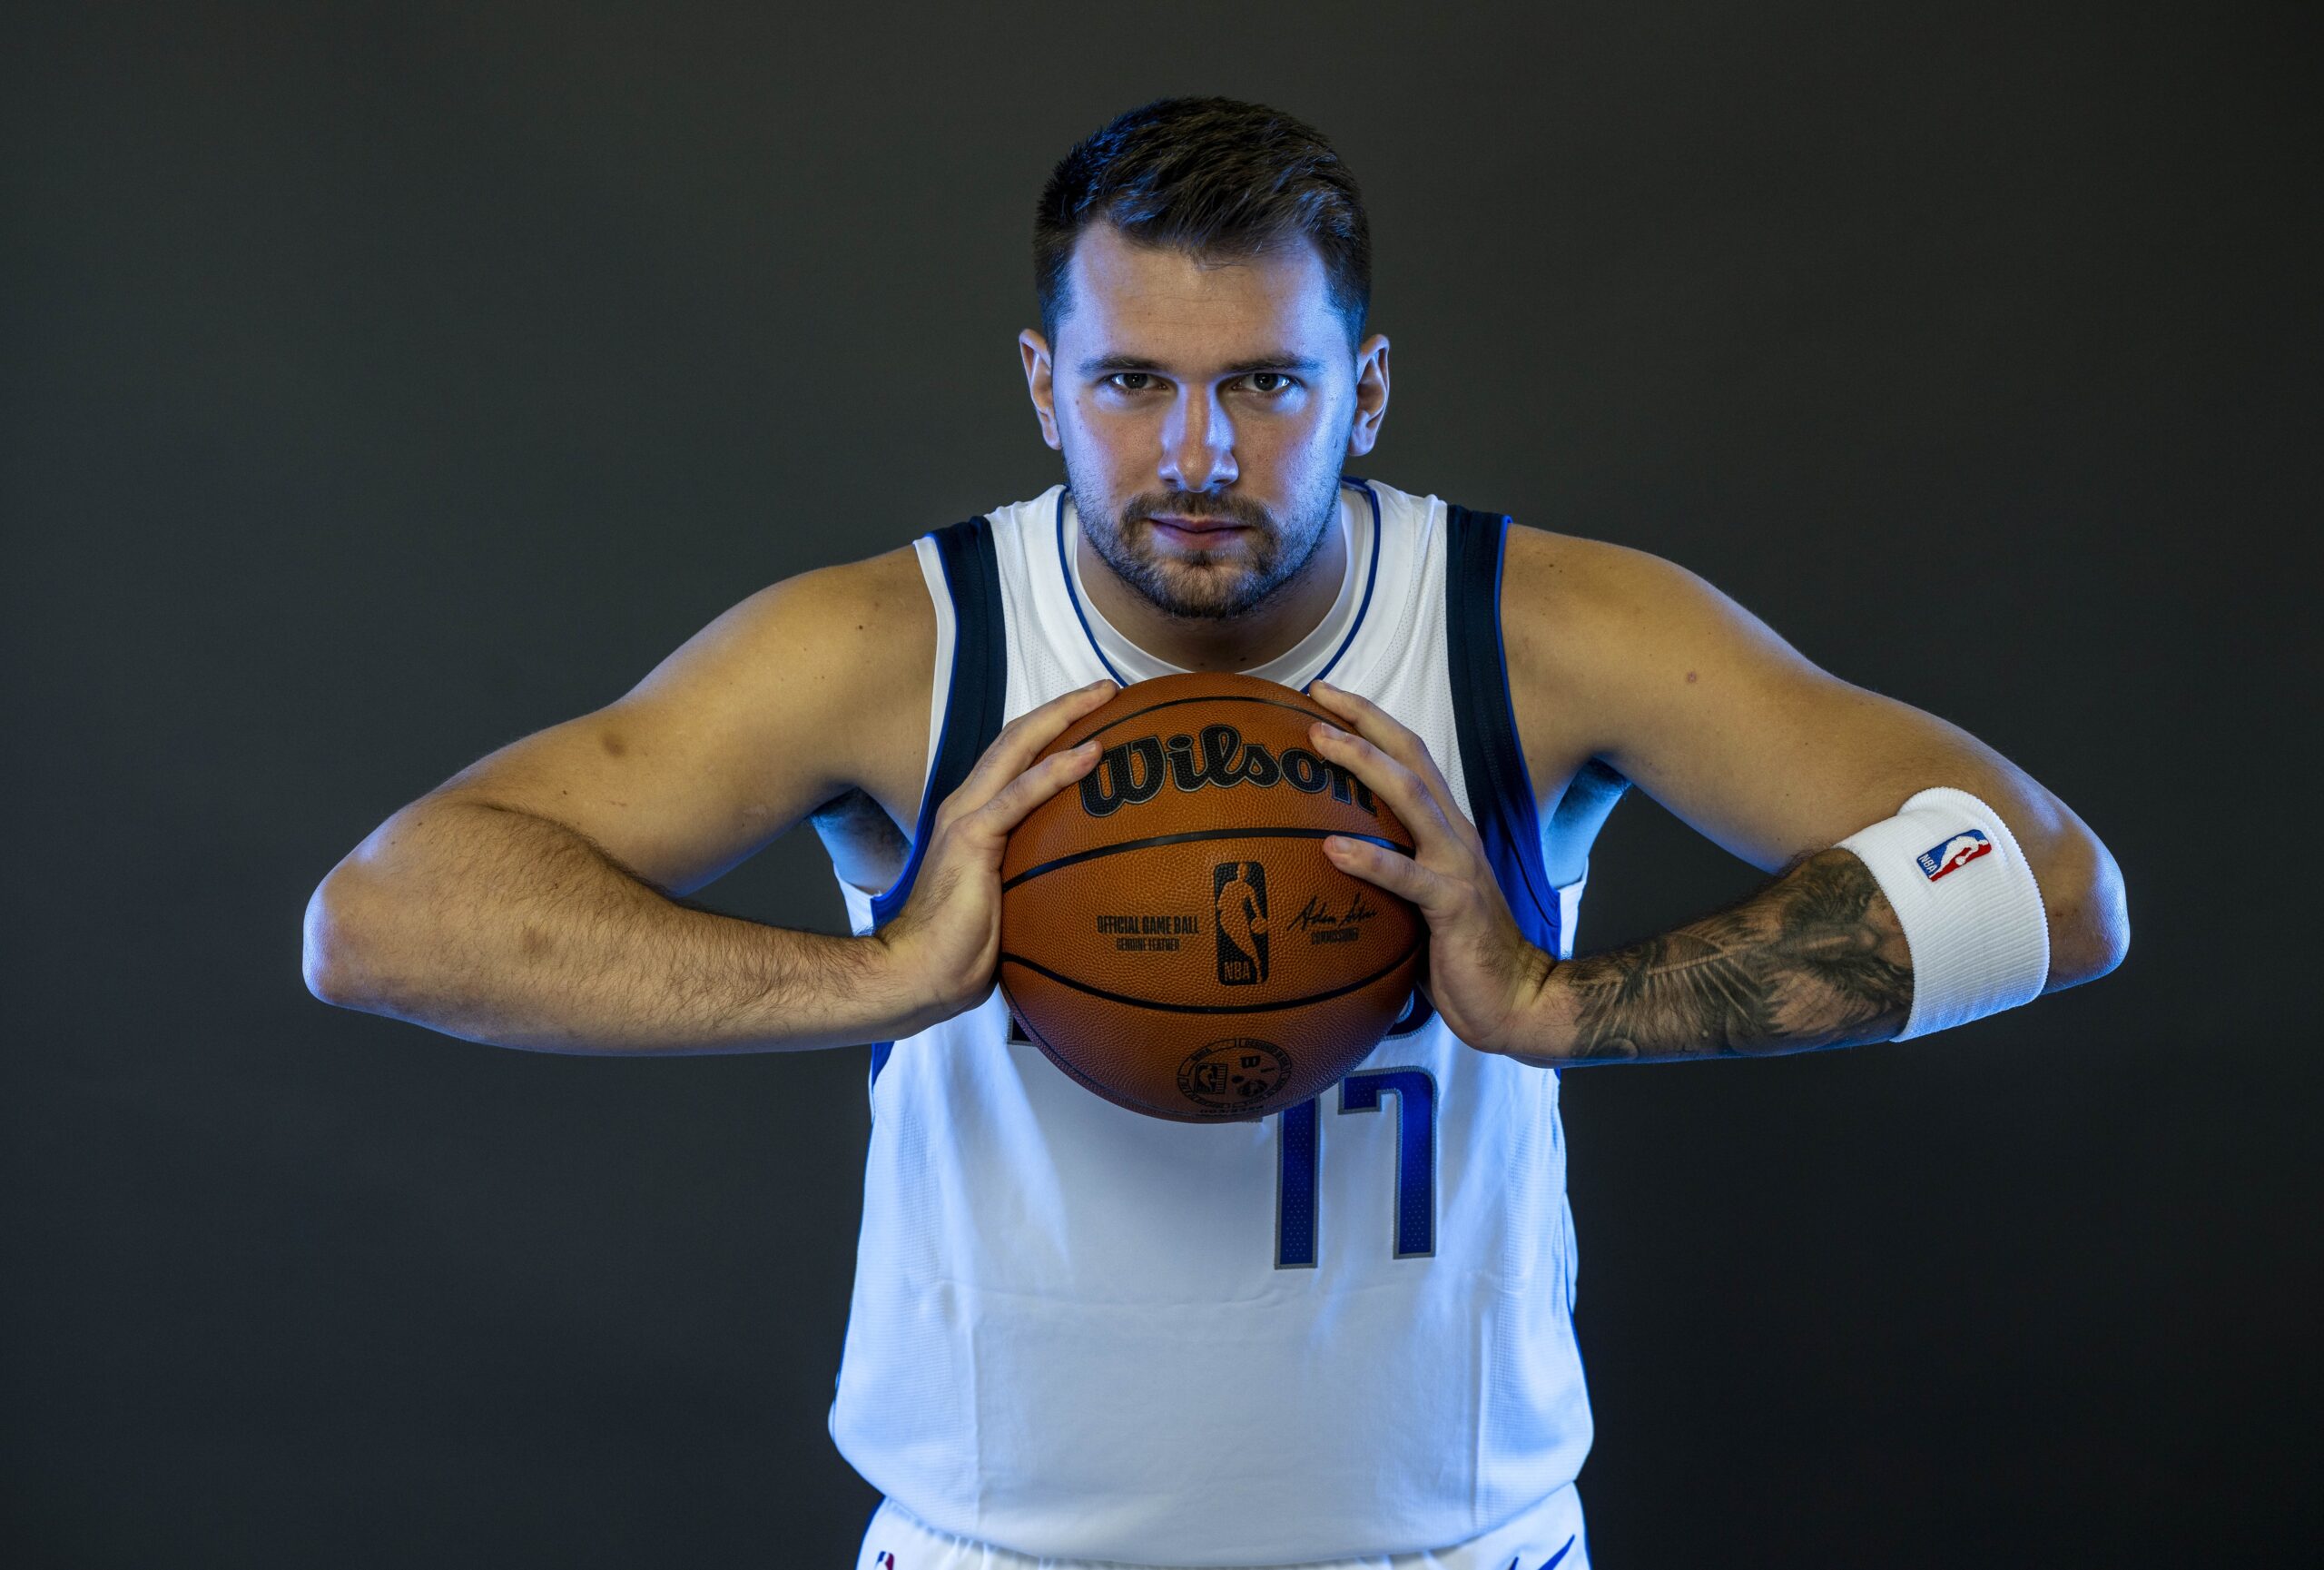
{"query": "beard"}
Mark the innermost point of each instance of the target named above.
(1207, 585)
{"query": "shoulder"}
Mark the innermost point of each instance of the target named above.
(1577, 604)
(1597, 584)
(1596, 632)
(842, 654)
(840, 630)
(854, 614)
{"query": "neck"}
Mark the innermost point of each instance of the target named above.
(1229, 644)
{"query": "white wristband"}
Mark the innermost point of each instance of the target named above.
(1970, 908)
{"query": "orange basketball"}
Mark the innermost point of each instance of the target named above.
(1172, 934)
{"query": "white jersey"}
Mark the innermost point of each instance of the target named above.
(1344, 1329)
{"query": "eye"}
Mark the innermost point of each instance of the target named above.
(1130, 381)
(1268, 382)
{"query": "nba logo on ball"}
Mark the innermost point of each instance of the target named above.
(1238, 894)
(1957, 852)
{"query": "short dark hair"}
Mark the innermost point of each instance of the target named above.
(1212, 177)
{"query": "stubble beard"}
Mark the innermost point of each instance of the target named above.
(1206, 586)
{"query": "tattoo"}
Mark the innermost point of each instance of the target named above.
(1814, 960)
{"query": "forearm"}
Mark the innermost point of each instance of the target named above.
(505, 928)
(1816, 959)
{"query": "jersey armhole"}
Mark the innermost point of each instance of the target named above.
(1492, 757)
(858, 900)
(976, 695)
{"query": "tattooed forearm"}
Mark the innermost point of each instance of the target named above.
(1814, 960)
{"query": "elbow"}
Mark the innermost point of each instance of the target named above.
(2089, 928)
(330, 942)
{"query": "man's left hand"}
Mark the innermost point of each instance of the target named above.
(1482, 975)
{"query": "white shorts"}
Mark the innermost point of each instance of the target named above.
(1548, 1536)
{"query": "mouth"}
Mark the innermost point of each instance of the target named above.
(1199, 530)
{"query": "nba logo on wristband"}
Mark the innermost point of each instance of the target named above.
(1959, 851)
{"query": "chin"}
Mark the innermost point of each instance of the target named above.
(1204, 591)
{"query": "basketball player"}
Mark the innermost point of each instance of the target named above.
(1342, 1333)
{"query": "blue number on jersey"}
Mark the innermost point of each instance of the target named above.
(1294, 1187)
(1300, 1159)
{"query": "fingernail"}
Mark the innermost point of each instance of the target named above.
(1329, 729)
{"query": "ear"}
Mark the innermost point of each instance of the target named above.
(1041, 382)
(1371, 395)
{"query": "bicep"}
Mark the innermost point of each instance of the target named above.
(1739, 734)
(1801, 760)
(786, 701)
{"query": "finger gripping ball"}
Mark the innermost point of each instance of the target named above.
(1172, 933)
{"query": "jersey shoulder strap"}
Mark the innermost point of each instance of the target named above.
(977, 695)
(1500, 787)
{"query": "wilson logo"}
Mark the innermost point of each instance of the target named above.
(1131, 773)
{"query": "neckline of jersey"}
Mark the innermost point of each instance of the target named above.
(1126, 662)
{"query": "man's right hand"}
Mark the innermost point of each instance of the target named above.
(944, 946)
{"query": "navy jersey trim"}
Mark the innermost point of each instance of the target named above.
(1371, 577)
(1500, 787)
(1074, 595)
(977, 699)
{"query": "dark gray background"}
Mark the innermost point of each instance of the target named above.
(384, 382)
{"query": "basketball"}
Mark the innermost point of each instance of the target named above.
(1172, 933)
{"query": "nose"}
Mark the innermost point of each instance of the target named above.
(1197, 443)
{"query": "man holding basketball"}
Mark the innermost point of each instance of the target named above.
(1057, 1299)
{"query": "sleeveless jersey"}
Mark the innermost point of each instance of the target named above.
(1342, 1329)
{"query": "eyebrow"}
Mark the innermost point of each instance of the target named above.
(1114, 364)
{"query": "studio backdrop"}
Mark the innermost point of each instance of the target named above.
(383, 383)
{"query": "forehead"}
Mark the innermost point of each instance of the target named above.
(1164, 303)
